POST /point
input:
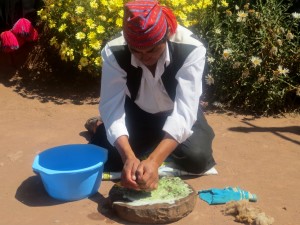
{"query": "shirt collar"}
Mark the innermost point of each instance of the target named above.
(165, 57)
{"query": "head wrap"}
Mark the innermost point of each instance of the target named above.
(146, 23)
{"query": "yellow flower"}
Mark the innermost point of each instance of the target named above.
(104, 2)
(94, 4)
(79, 10)
(226, 53)
(175, 3)
(62, 27)
(63, 48)
(119, 22)
(118, 3)
(121, 13)
(279, 42)
(289, 36)
(100, 29)
(224, 3)
(210, 59)
(209, 79)
(98, 61)
(69, 53)
(80, 35)
(228, 13)
(84, 61)
(241, 16)
(95, 44)
(87, 52)
(181, 15)
(53, 41)
(283, 71)
(52, 24)
(203, 4)
(72, 57)
(187, 23)
(90, 23)
(218, 31)
(40, 12)
(103, 18)
(91, 35)
(296, 15)
(256, 61)
(65, 15)
(188, 8)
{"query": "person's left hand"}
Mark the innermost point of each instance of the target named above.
(147, 175)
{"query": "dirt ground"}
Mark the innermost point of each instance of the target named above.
(41, 109)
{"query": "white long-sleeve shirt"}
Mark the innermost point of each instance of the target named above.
(152, 96)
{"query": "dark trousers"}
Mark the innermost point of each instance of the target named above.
(145, 132)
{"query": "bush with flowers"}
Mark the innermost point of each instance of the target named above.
(79, 29)
(253, 50)
(254, 55)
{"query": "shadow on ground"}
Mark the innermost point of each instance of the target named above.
(278, 131)
(105, 210)
(32, 193)
(36, 72)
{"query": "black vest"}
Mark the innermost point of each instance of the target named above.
(178, 54)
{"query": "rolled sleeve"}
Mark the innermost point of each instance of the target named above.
(189, 89)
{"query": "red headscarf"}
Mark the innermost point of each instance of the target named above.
(146, 23)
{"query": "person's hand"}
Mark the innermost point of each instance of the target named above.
(128, 177)
(147, 175)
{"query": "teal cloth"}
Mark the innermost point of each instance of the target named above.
(216, 196)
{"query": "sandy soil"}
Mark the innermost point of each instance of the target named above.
(41, 109)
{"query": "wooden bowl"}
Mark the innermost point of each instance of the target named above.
(145, 211)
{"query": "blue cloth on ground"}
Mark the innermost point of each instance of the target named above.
(216, 196)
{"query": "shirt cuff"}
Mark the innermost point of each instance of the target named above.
(114, 131)
(176, 130)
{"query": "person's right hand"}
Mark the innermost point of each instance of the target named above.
(128, 177)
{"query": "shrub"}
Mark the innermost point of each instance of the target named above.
(254, 55)
(79, 29)
(253, 50)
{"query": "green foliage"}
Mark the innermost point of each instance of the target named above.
(80, 29)
(253, 46)
(254, 55)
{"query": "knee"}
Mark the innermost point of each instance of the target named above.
(197, 162)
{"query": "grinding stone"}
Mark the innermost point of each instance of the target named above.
(156, 213)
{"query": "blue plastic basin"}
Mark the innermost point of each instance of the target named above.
(71, 172)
